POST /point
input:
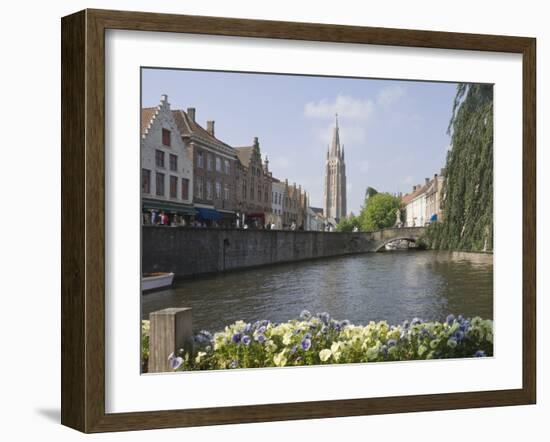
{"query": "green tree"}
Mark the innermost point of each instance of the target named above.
(348, 224)
(370, 192)
(468, 204)
(379, 212)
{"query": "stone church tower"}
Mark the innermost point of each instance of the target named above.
(335, 179)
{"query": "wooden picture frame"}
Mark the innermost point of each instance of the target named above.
(83, 219)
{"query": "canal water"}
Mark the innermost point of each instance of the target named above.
(391, 286)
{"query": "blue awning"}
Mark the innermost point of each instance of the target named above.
(208, 214)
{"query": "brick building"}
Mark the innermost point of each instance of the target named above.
(295, 205)
(214, 170)
(254, 186)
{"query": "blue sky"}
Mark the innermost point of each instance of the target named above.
(394, 132)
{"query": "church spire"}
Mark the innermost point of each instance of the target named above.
(335, 178)
(335, 147)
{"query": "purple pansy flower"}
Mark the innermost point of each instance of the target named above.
(174, 361)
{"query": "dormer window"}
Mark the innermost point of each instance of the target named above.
(166, 137)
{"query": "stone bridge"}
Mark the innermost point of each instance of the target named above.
(385, 236)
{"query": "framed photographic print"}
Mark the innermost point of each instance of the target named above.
(269, 220)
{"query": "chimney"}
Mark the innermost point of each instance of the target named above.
(191, 113)
(414, 188)
(443, 171)
(164, 97)
(256, 142)
(426, 181)
(210, 127)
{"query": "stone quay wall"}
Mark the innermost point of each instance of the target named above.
(191, 252)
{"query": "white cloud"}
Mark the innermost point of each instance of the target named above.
(353, 115)
(345, 106)
(390, 95)
(350, 135)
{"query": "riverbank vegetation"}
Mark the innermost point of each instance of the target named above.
(319, 339)
(468, 204)
(379, 212)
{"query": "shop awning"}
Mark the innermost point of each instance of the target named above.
(168, 206)
(208, 214)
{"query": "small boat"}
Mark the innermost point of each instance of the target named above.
(158, 280)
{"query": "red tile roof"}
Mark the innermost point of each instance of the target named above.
(407, 198)
(188, 127)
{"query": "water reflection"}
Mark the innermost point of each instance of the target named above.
(393, 286)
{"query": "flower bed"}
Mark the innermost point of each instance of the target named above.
(319, 339)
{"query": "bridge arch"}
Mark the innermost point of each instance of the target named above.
(381, 245)
(385, 236)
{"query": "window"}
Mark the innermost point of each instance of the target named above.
(208, 190)
(218, 190)
(200, 159)
(173, 186)
(173, 162)
(227, 167)
(226, 192)
(166, 138)
(145, 181)
(218, 164)
(199, 186)
(160, 184)
(159, 158)
(244, 189)
(259, 193)
(210, 161)
(184, 188)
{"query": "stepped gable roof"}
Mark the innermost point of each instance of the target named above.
(147, 116)
(244, 153)
(188, 128)
(406, 199)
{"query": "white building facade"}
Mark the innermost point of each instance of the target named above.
(315, 220)
(166, 168)
(424, 204)
(277, 201)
